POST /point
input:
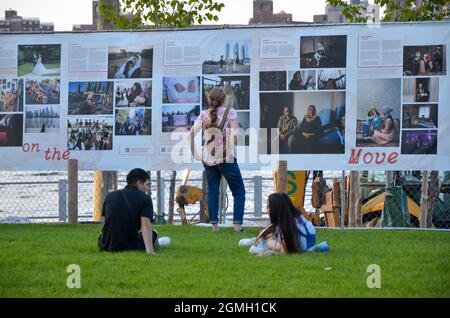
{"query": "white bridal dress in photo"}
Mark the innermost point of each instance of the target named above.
(39, 68)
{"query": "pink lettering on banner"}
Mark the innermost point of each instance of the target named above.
(56, 154)
(370, 157)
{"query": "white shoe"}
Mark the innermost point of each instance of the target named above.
(247, 241)
(163, 241)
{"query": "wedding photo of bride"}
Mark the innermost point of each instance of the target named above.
(132, 62)
(39, 60)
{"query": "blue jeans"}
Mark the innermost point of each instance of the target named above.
(233, 176)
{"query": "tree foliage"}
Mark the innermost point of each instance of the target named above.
(135, 14)
(397, 10)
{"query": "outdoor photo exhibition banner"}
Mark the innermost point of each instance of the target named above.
(348, 97)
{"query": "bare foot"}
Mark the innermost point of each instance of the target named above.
(267, 253)
(238, 228)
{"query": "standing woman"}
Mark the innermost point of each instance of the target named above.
(219, 155)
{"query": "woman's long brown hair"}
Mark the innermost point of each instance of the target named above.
(282, 213)
(216, 98)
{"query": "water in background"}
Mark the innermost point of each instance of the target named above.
(35, 194)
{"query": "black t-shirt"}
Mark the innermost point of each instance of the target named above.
(122, 225)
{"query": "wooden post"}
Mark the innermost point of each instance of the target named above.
(424, 200)
(281, 176)
(354, 199)
(72, 177)
(104, 182)
(337, 202)
(98, 196)
(172, 197)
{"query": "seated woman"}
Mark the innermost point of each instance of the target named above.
(289, 231)
(310, 129)
(387, 133)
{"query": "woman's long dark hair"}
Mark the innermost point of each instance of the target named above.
(138, 88)
(216, 98)
(282, 213)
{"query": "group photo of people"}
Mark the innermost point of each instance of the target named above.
(302, 80)
(90, 133)
(42, 119)
(419, 142)
(420, 116)
(130, 62)
(305, 123)
(421, 90)
(133, 122)
(11, 130)
(323, 51)
(133, 93)
(424, 60)
(231, 57)
(378, 112)
(11, 95)
(332, 79)
(39, 60)
(236, 88)
(45, 91)
(91, 98)
(181, 90)
(179, 117)
(272, 81)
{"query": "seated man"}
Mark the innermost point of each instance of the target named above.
(126, 212)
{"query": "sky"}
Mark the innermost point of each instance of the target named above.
(65, 13)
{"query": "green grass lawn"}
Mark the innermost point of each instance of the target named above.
(27, 68)
(200, 263)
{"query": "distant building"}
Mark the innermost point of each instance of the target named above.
(14, 23)
(263, 14)
(95, 17)
(93, 26)
(336, 14)
(373, 11)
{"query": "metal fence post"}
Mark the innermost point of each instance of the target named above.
(343, 200)
(62, 198)
(257, 196)
(161, 196)
(223, 200)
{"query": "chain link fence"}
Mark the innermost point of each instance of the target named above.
(27, 196)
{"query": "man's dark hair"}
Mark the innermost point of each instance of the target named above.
(137, 175)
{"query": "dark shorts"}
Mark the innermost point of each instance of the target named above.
(140, 241)
(141, 244)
